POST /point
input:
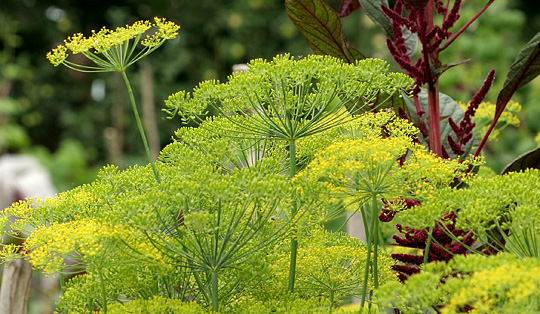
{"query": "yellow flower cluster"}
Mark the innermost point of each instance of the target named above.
(113, 45)
(497, 290)
(359, 161)
(83, 241)
(166, 30)
(472, 283)
(332, 264)
(157, 305)
(424, 172)
(368, 125)
(362, 166)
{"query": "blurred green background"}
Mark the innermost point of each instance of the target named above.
(75, 123)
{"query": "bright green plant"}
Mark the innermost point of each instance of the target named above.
(332, 265)
(501, 211)
(233, 221)
(223, 202)
(115, 51)
(474, 284)
(287, 100)
(367, 172)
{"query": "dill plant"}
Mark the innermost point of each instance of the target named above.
(364, 168)
(288, 100)
(502, 283)
(500, 211)
(115, 51)
(291, 147)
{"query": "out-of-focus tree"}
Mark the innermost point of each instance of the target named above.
(55, 104)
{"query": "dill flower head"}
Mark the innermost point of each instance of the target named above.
(470, 283)
(289, 99)
(508, 200)
(81, 241)
(332, 265)
(157, 304)
(113, 50)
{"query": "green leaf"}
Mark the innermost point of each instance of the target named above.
(373, 10)
(321, 27)
(522, 71)
(530, 159)
(411, 41)
(448, 108)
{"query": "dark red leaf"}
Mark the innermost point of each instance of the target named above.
(348, 7)
(321, 27)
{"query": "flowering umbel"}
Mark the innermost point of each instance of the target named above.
(115, 51)
(112, 51)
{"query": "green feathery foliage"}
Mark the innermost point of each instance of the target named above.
(501, 211)
(288, 99)
(496, 284)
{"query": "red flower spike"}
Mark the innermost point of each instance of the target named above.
(396, 17)
(456, 148)
(465, 139)
(445, 153)
(441, 9)
(442, 248)
(387, 215)
(453, 126)
(402, 114)
(452, 18)
(408, 259)
(481, 94)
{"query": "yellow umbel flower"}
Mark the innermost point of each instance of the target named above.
(113, 50)
(85, 241)
(332, 265)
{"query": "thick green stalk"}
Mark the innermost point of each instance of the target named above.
(294, 241)
(62, 284)
(375, 222)
(428, 245)
(215, 304)
(140, 126)
(103, 291)
(332, 301)
(373, 239)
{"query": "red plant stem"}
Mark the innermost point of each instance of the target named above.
(417, 105)
(425, 18)
(491, 127)
(465, 26)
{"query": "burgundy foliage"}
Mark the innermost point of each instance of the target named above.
(464, 131)
(442, 247)
(348, 6)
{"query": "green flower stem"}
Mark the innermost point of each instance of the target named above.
(332, 301)
(428, 245)
(373, 239)
(62, 284)
(375, 222)
(214, 279)
(140, 126)
(200, 284)
(366, 226)
(294, 240)
(103, 291)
